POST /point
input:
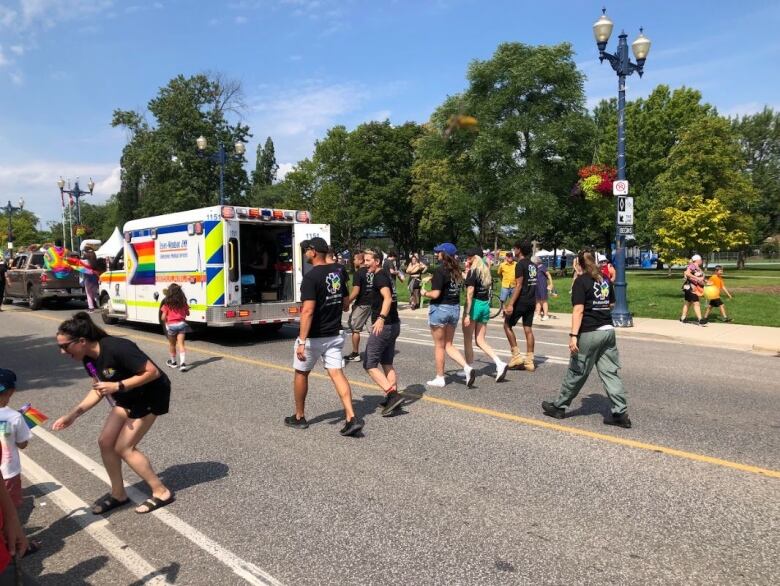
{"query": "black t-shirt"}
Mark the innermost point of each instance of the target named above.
(596, 297)
(450, 289)
(327, 286)
(389, 265)
(383, 279)
(365, 281)
(480, 291)
(526, 270)
(119, 359)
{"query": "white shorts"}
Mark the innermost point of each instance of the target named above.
(329, 349)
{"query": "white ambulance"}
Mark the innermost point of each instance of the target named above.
(235, 265)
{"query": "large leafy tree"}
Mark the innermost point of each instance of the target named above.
(24, 229)
(516, 165)
(759, 138)
(706, 164)
(265, 164)
(161, 169)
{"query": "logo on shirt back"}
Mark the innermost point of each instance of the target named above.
(532, 271)
(601, 290)
(333, 283)
(108, 373)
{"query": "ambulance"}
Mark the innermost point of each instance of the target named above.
(236, 265)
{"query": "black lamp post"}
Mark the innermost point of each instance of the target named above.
(10, 209)
(76, 193)
(221, 158)
(623, 66)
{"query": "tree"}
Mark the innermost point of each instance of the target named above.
(694, 224)
(706, 163)
(653, 127)
(161, 170)
(23, 227)
(516, 165)
(265, 165)
(759, 138)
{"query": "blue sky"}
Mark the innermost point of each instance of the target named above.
(306, 65)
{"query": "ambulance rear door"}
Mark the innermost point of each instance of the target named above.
(303, 232)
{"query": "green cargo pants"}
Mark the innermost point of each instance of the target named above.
(600, 350)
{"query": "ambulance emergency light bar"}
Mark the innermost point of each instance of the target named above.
(230, 212)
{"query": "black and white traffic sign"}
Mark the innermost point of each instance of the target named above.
(620, 187)
(626, 230)
(625, 215)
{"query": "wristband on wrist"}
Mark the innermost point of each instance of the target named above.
(121, 386)
(573, 335)
(382, 317)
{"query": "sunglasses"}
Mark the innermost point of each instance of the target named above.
(65, 345)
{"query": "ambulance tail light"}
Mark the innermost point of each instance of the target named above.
(228, 212)
(230, 313)
(254, 213)
(278, 215)
(302, 217)
(243, 313)
(293, 310)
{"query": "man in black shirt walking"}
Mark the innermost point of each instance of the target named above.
(521, 306)
(362, 292)
(324, 296)
(380, 348)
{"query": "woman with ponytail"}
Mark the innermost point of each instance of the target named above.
(444, 313)
(592, 343)
(136, 390)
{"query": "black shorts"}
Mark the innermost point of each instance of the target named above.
(381, 349)
(690, 296)
(152, 401)
(526, 312)
(716, 302)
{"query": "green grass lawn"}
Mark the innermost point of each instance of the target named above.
(654, 294)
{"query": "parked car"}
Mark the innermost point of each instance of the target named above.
(27, 279)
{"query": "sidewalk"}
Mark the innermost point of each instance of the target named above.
(739, 337)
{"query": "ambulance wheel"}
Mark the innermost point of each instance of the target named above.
(104, 300)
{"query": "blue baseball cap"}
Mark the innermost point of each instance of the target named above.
(447, 248)
(7, 379)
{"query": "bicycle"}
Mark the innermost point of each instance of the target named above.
(495, 300)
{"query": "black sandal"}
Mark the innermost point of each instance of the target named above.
(107, 503)
(152, 504)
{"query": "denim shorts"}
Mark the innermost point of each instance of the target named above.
(440, 315)
(174, 329)
(506, 293)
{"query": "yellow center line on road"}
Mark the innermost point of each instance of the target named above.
(538, 423)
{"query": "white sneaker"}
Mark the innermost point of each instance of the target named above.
(461, 374)
(172, 363)
(183, 367)
(501, 369)
(471, 376)
(545, 317)
(439, 381)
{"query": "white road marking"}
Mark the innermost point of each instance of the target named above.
(96, 526)
(248, 571)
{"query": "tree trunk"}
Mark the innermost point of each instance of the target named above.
(741, 259)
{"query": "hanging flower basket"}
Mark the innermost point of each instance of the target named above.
(595, 182)
(81, 230)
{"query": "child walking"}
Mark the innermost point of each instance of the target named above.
(716, 280)
(174, 310)
(14, 435)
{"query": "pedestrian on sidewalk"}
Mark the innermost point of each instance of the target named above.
(521, 306)
(91, 278)
(14, 436)
(693, 288)
(415, 270)
(360, 299)
(3, 271)
(380, 348)
(717, 285)
(324, 297)
(543, 280)
(606, 268)
(592, 343)
(444, 313)
(476, 313)
(174, 310)
(506, 272)
(137, 392)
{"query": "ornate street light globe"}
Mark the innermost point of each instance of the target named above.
(641, 47)
(602, 29)
(201, 142)
(91, 185)
(21, 203)
(61, 183)
(240, 148)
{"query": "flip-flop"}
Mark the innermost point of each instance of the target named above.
(107, 503)
(152, 504)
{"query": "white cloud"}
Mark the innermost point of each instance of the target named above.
(49, 13)
(746, 109)
(7, 16)
(284, 168)
(17, 49)
(379, 116)
(240, 20)
(17, 78)
(36, 181)
(3, 59)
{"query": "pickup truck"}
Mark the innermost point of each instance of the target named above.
(28, 279)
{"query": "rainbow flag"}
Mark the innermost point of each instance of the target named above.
(141, 266)
(32, 416)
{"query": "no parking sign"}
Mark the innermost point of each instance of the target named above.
(620, 187)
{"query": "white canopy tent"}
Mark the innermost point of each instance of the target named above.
(558, 252)
(112, 246)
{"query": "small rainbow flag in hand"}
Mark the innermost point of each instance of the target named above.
(32, 416)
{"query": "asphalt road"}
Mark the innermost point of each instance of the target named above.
(464, 486)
